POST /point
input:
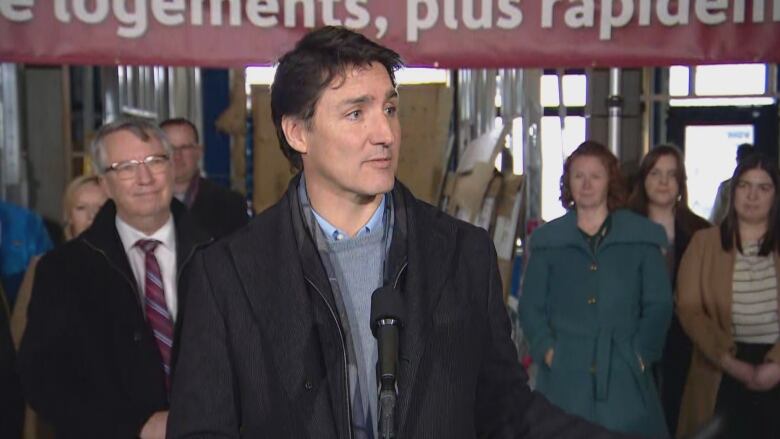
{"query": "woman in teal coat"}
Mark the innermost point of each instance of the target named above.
(597, 301)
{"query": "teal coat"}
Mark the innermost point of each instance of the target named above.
(605, 315)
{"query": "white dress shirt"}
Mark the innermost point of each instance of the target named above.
(165, 253)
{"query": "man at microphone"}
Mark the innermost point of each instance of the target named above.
(278, 342)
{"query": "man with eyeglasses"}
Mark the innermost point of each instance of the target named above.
(217, 209)
(102, 337)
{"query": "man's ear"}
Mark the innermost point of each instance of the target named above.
(295, 132)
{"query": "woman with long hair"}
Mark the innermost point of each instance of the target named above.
(661, 194)
(727, 303)
(596, 300)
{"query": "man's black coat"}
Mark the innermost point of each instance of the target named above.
(263, 351)
(89, 362)
(218, 210)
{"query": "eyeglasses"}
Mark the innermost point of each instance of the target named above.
(128, 169)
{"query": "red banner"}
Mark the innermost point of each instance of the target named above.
(444, 33)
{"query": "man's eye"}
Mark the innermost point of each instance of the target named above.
(125, 166)
(391, 110)
(354, 115)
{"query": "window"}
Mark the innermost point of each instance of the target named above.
(558, 142)
(718, 85)
(710, 157)
(574, 90)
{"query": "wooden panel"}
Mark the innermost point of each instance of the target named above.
(424, 112)
(272, 171)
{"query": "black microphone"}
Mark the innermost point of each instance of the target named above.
(386, 320)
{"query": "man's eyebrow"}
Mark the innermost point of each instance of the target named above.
(393, 93)
(356, 101)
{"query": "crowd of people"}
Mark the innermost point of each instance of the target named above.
(166, 315)
(160, 185)
(647, 319)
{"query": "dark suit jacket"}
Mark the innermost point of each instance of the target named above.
(263, 351)
(218, 210)
(678, 347)
(11, 402)
(88, 361)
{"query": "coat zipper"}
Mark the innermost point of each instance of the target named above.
(133, 286)
(187, 259)
(398, 276)
(343, 346)
(344, 355)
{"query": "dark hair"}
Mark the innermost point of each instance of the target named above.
(638, 200)
(729, 228)
(684, 217)
(176, 121)
(616, 189)
(744, 151)
(317, 60)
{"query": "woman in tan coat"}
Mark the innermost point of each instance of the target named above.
(727, 300)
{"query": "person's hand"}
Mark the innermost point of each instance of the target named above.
(740, 370)
(766, 377)
(548, 357)
(155, 426)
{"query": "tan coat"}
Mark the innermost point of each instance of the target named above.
(704, 293)
(34, 426)
(19, 315)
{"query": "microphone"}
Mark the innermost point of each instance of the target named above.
(386, 320)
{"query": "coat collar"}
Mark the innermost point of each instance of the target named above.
(281, 294)
(103, 236)
(627, 227)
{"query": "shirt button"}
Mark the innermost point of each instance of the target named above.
(594, 267)
(308, 385)
(591, 300)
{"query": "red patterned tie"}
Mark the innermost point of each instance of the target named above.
(157, 314)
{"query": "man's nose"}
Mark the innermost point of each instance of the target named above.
(382, 130)
(143, 173)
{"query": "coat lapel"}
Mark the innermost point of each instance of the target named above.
(270, 272)
(429, 248)
(275, 269)
(103, 237)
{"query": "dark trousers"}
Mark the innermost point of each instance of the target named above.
(674, 372)
(746, 413)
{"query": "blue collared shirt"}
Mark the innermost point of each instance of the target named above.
(334, 234)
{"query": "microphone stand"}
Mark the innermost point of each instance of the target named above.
(387, 316)
(388, 332)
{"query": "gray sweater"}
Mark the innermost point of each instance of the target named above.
(357, 264)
